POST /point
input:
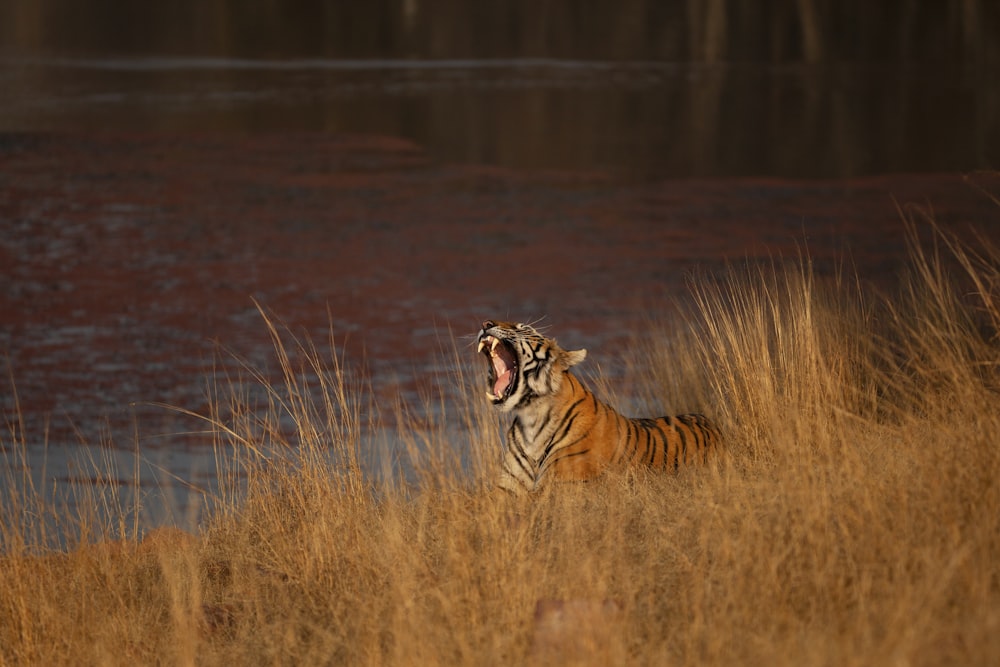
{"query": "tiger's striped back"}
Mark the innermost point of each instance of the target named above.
(561, 430)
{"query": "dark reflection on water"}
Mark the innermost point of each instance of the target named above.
(684, 30)
(646, 119)
(803, 88)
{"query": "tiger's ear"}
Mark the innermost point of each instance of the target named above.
(573, 357)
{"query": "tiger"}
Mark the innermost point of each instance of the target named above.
(560, 429)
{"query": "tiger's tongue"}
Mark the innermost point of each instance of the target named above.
(502, 374)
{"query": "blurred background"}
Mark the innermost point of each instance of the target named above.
(814, 88)
(390, 173)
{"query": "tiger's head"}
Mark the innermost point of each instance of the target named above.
(523, 364)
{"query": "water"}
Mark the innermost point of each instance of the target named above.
(645, 119)
(382, 175)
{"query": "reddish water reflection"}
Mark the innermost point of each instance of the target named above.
(125, 257)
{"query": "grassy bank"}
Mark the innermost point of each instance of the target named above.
(854, 518)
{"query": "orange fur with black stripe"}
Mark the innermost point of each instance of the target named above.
(560, 429)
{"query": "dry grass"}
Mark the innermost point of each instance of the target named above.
(854, 520)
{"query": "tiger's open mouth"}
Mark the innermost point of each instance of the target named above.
(502, 367)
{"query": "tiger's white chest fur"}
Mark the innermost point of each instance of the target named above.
(547, 430)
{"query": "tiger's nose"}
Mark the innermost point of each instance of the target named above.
(487, 324)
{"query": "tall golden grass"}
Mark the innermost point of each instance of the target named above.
(854, 518)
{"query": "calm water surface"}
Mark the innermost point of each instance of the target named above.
(646, 119)
(148, 197)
